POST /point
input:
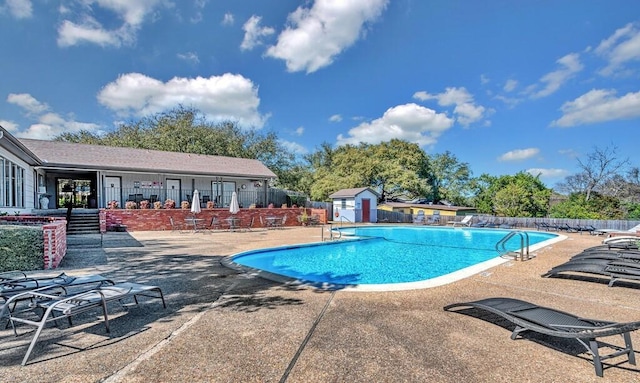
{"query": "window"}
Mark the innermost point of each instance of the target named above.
(12, 185)
(343, 203)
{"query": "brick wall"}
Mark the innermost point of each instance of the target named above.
(158, 220)
(55, 243)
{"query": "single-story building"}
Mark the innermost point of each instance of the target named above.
(445, 211)
(355, 205)
(40, 174)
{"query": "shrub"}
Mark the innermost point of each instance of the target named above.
(211, 204)
(169, 204)
(130, 205)
(113, 204)
(157, 205)
(144, 204)
(21, 248)
(184, 205)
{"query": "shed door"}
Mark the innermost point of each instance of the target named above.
(366, 210)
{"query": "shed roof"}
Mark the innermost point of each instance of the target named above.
(350, 193)
(72, 155)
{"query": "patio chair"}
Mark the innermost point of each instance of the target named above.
(177, 226)
(615, 269)
(11, 275)
(466, 221)
(555, 323)
(280, 223)
(249, 226)
(434, 219)
(11, 287)
(419, 219)
(613, 232)
(54, 302)
(215, 224)
(481, 223)
(608, 254)
(625, 241)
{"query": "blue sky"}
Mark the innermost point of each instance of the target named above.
(505, 85)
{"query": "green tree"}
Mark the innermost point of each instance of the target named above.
(393, 168)
(519, 195)
(482, 190)
(597, 207)
(448, 178)
(186, 130)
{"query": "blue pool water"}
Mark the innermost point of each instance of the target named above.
(385, 255)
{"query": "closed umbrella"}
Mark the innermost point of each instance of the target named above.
(234, 207)
(195, 203)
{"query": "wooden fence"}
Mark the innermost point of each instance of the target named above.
(622, 225)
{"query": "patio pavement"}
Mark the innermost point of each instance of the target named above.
(221, 325)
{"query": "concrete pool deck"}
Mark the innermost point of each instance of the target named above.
(225, 326)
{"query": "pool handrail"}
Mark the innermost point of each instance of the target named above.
(524, 245)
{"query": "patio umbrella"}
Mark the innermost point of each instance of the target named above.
(234, 208)
(195, 203)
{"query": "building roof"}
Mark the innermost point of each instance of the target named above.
(58, 154)
(10, 143)
(426, 206)
(350, 193)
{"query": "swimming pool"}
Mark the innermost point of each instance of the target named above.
(390, 257)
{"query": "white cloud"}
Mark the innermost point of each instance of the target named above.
(466, 110)
(294, 147)
(299, 131)
(621, 47)
(316, 35)
(599, 105)
(335, 118)
(484, 79)
(220, 98)
(228, 19)
(27, 102)
(510, 85)
(253, 33)
(410, 122)
(90, 30)
(548, 173)
(511, 102)
(48, 124)
(189, 56)
(569, 153)
(570, 65)
(10, 126)
(20, 9)
(519, 154)
(199, 6)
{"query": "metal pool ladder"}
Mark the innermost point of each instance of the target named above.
(339, 235)
(523, 254)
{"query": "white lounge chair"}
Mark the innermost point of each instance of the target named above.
(614, 232)
(466, 221)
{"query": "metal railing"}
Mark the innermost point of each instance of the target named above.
(501, 246)
(246, 199)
